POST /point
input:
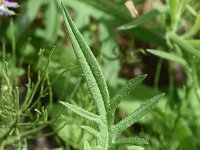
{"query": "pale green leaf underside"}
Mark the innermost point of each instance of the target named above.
(145, 18)
(125, 91)
(168, 56)
(86, 114)
(136, 115)
(131, 140)
(89, 65)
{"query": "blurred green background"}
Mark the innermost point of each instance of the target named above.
(162, 42)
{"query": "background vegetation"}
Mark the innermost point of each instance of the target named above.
(38, 68)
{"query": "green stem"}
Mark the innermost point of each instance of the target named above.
(184, 45)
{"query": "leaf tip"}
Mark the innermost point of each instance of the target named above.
(144, 75)
(120, 28)
(61, 102)
(163, 94)
(149, 50)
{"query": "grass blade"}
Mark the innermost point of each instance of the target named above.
(168, 56)
(136, 115)
(145, 18)
(89, 65)
(86, 114)
(125, 91)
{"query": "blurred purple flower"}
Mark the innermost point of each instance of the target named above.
(5, 5)
(10, 4)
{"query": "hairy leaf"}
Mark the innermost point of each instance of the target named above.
(136, 115)
(89, 65)
(86, 114)
(125, 91)
(131, 140)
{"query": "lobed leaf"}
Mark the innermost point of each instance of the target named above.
(125, 91)
(145, 18)
(91, 130)
(168, 56)
(89, 65)
(83, 113)
(136, 115)
(131, 140)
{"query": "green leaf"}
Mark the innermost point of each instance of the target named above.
(125, 91)
(131, 140)
(195, 43)
(90, 67)
(135, 148)
(86, 114)
(184, 45)
(91, 130)
(173, 5)
(87, 146)
(145, 18)
(195, 28)
(168, 56)
(136, 115)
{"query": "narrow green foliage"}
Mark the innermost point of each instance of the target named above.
(195, 43)
(195, 28)
(145, 18)
(125, 91)
(89, 65)
(184, 45)
(91, 130)
(21, 118)
(173, 5)
(136, 115)
(131, 140)
(86, 114)
(168, 56)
